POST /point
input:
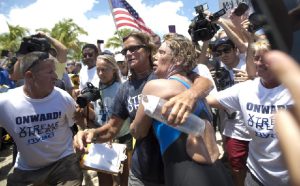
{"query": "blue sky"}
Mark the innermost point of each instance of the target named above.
(95, 16)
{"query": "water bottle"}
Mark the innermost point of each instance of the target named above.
(152, 107)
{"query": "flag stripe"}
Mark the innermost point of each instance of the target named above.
(133, 22)
(125, 16)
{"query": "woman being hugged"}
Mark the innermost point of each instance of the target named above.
(188, 160)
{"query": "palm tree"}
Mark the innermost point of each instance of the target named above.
(116, 41)
(11, 40)
(67, 32)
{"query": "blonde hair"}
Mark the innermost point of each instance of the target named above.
(183, 49)
(261, 45)
(111, 60)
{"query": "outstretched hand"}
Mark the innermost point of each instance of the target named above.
(180, 107)
(82, 138)
(288, 123)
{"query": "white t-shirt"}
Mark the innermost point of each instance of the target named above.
(202, 70)
(234, 127)
(257, 105)
(39, 127)
(88, 75)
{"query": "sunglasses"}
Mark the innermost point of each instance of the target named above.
(225, 50)
(132, 49)
(41, 56)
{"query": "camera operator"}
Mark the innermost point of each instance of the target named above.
(38, 116)
(42, 42)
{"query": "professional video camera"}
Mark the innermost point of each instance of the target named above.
(34, 43)
(202, 28)
(90, 93)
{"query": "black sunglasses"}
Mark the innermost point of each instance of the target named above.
(132, 49)
(225, 50)
(41, 56)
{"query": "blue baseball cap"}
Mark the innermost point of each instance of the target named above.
(222, 41)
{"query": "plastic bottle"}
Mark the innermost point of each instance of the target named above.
(152, 107)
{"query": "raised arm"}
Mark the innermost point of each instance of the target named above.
(60, 48)
(234, 36)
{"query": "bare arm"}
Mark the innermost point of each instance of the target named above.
(61, 49)
(287, 123)
(240, 44)
(250, 66)
(203, 59)
(183, 104)
(163, 88)
(213, 102)
(103, 134)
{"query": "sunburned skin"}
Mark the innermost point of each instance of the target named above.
(204, 149)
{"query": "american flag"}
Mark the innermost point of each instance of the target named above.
(126, 17)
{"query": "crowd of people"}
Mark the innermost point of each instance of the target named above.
(234, 83)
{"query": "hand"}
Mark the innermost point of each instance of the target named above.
(240, 75)
(180, 107)
(286, 122)
(82, 138)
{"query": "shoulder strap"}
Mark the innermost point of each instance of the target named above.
(181, 81)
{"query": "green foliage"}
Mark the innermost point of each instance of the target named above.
(11, 41)
(116, 40)
(67, 32)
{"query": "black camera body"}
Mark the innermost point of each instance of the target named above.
(90, 93)
(34, 43)
(221, 76)
(257, 22)
(202, 29)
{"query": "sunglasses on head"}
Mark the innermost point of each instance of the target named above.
(132, 49)
(42, 56)
(225, 50)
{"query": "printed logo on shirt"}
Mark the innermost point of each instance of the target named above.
(260, 118)
(133, 103)
(37, 127)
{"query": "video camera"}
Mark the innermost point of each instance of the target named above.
(201, 28)
(89, 93)
(34, 43)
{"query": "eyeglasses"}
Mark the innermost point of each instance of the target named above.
(225, 50)
(132, 49)
(42, 56)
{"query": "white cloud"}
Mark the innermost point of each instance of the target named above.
(45, 13)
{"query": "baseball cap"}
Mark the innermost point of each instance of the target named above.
(222, 41)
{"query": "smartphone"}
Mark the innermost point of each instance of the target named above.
(99, 41)
(172, 29)
(241, 9)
